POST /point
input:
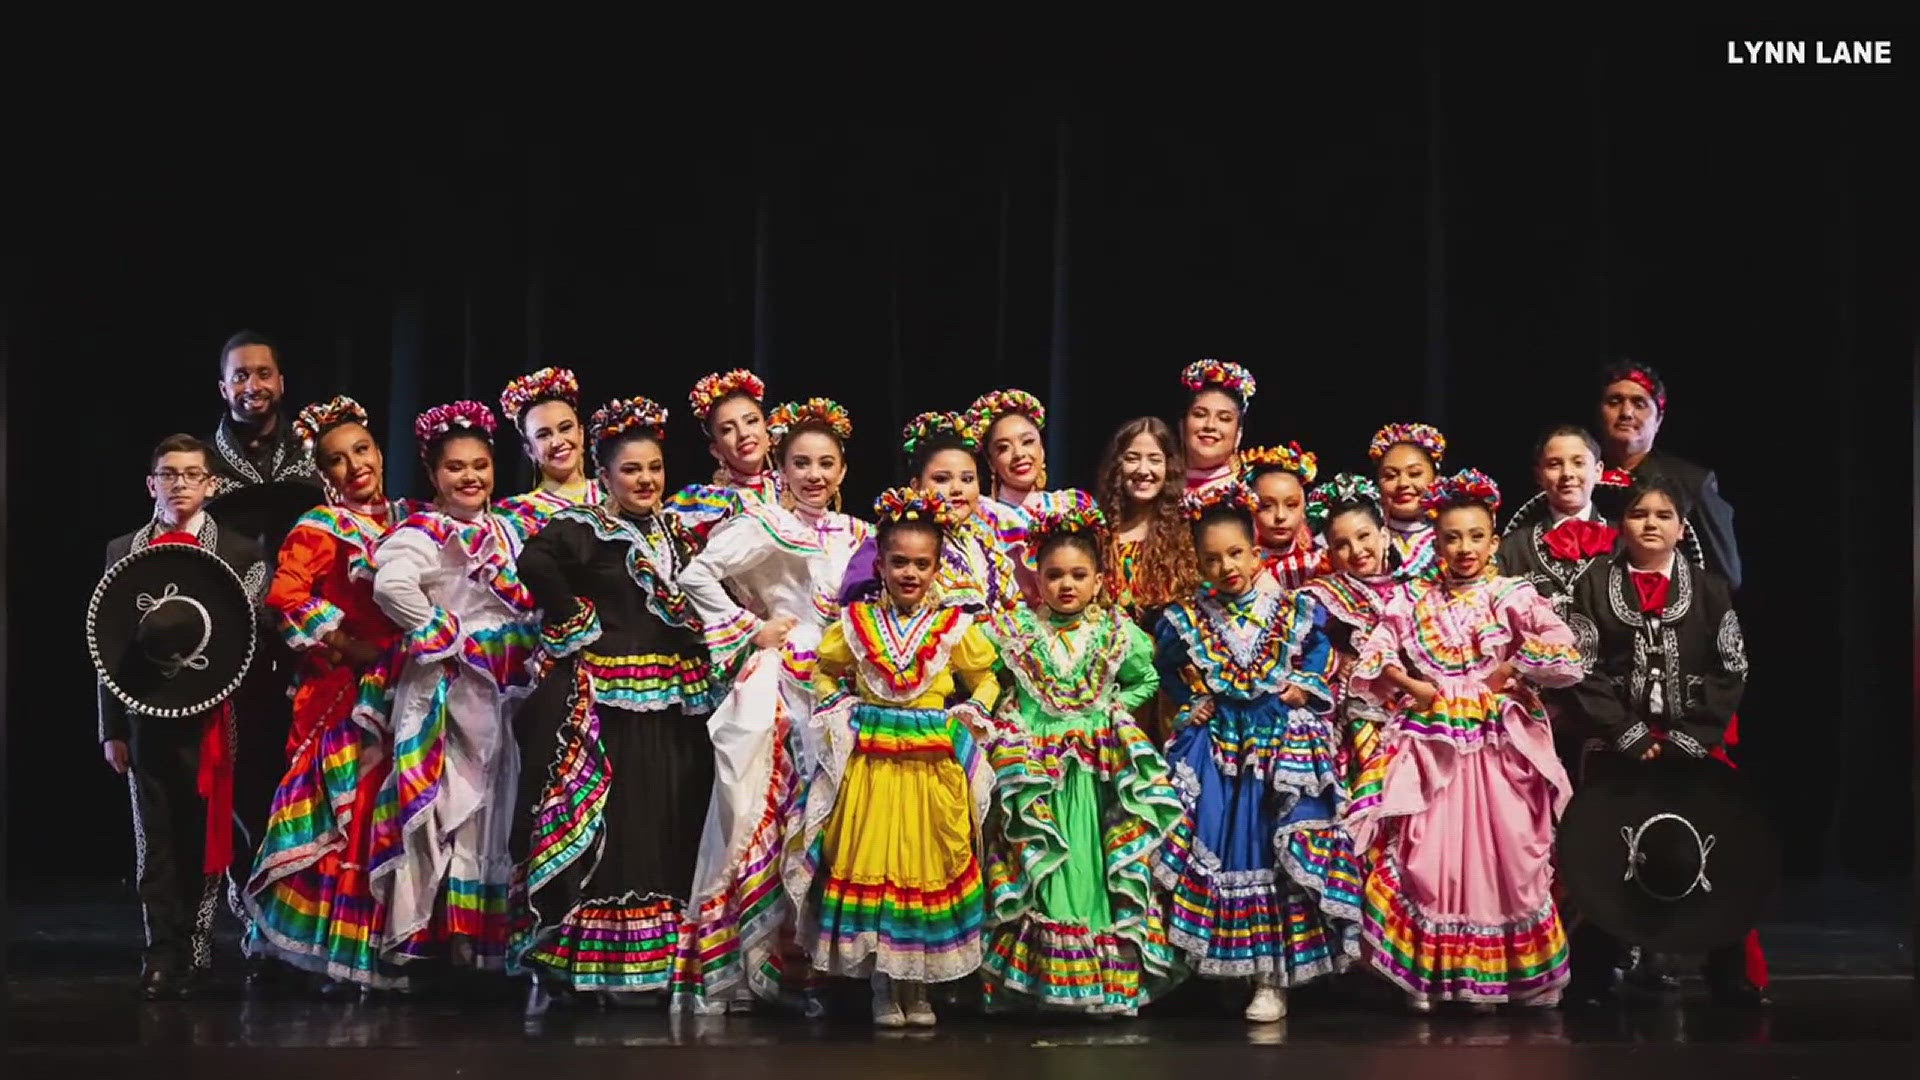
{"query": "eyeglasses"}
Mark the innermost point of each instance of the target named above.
(191, 477)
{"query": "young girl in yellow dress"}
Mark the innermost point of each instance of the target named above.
(881, 863)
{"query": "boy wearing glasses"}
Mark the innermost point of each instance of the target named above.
(179, 888)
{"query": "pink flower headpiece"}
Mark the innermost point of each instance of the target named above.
(468, 415)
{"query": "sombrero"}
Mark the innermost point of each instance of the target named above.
(171, 630)
(1671, 854)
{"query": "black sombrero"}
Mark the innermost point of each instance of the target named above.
(171, 630)
(1671, 854)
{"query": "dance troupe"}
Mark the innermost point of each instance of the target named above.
(718, 745)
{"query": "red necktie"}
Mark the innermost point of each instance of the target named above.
(1574, 539)
(215, 779)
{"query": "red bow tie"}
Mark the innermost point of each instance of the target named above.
(1574, 539)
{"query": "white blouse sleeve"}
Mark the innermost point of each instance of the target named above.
(735, 547)
(405, 558)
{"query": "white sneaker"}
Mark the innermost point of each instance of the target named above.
(886, 1010)
(919, 1010)
(1483, 1008)
(1269, 1004)
(1419, 1004)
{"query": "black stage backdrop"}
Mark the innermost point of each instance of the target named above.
(1454, 232)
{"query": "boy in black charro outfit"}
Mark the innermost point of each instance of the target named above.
(172, 630)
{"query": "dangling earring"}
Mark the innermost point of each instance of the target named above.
(1040, 480)
(836, 500)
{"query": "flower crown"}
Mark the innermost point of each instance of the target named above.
(911, 504)
(1082, 517)
(1234, 495)
(1342, 489)
(1425, 436)
(316, 419)
(928, 424)
(1230, 377)
(1290, 458)
(988, 408)
(816, 410)
(625, 414)
(709, 391)
(469, 415)
(548, 382)
(1468, 487)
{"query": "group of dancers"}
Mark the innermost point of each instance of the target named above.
(1221, 718)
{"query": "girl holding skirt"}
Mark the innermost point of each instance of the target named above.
(1082, 799)
(1458, 900)
(619, 767)
(882, 855)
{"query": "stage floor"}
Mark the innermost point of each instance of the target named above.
(1844, 1000)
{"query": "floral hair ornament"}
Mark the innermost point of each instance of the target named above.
(824, 411)
(1289, 458)
(622, 415)
(712, 389)
(548, 382)
(1233, 496)
(322, 416)
(1425, 436)
(987, 409)
(1468, 487)
(469, 416)
(911, 504)
(1344, 489)
(928, 424)
(1081, 517)
(1221, 374)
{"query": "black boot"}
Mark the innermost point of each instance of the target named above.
(161, 985)
(1648, 976)
(1727, 984)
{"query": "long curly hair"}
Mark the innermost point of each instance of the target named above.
(1166, 569)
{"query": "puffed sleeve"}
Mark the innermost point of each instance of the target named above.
(1313, 660)
(973, 659)
(734, 547)
(549, 565)
(406, 557)
(1171, 659)
(833, 657)
(1547, 655)
(307, 557)
(862, 577)
(1138, 678)
(1380, 650)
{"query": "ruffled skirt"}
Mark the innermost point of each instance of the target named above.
(605, 851)
(309, 896)
(1459, 903)
(1262, 876)
(1081, 807)
(895, 883)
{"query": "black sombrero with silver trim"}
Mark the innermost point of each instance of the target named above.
(171, 630)
(1672, 854)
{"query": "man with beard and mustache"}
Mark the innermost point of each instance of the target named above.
(1633, 405)
(263, 480)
